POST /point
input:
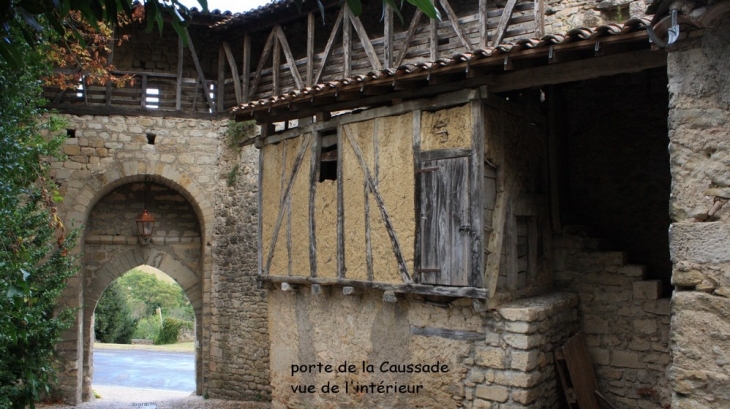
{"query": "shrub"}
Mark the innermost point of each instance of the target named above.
(113, 318)
(147, 328)
(170, 330)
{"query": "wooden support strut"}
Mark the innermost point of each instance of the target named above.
(289, 57)
(365, 41)
(206, 91)
(455, 23)
(328, 47)
(262, 61)
(234, 72)
(503, 22)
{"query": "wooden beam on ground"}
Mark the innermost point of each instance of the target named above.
(503, 22)
(328, 47)
(234, 72)
(206, 91)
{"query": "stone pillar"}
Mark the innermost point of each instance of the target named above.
(699, 133)
(70, 349)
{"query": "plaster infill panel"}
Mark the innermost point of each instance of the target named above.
(447, 128)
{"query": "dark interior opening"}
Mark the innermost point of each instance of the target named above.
(328, 155)
(151, 138)
(71, 133)
(613, 161)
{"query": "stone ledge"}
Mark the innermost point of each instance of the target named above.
(538, 308)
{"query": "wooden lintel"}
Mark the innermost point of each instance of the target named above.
(460, 292)
(455, 334)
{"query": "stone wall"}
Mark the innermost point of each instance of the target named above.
(239, 360)
(699, 123)
(112, 156)
(625, 321)
(500, 359)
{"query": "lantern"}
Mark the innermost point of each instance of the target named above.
(145, 225)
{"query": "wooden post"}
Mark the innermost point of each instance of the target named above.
(434, 36)
(483, 32)
(539, 18)
(143, 103)
(246, 67)
(221, 79)
(388, 38)
(477, 190)
(340, 207)
(346, 44)
(178, 83)
(276, 64)
(310, 49)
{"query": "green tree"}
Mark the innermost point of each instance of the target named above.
(153, 292)
(34, 245)
(113, 321)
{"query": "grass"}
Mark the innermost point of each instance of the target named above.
(179, 347)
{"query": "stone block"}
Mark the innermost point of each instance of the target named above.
(645, 326)
(648, 290)
(626, 359)
(521, 327)
(524, 360)
(517, 378)
(688, 278)
(657, 307)
(600, 356)
(493, 393)
(632, 271)
(481, 404)
(490, 357)
(523, 341)
(527, 396)
(698, 242)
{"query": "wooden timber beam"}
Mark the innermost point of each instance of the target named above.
(388, 38)
(463, 292)
(483, 21)
(179, 75)
(328, 47)
(289, 57)
(346, 44)
(310, 49)
(455, 23)
(590, 68)
(262, 61)
(409, 37)
(365, 41)
(234, 71)
(503, 22)
(206, 91)
(246, 68)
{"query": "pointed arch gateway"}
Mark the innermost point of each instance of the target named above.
(113, 250)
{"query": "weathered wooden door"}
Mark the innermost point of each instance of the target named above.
(445, 225)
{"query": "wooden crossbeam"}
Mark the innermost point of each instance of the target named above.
(503, 22)
(381, 206)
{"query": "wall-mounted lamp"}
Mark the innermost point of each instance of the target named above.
(145, 221)
(145, 226)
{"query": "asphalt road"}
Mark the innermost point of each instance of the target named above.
(145, 369)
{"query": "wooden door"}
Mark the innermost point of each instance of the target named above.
(445, 225)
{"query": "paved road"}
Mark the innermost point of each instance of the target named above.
(145, 369)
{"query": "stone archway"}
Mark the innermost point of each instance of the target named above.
(186, 278)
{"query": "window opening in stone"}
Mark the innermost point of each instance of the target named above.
(212, 96)
(152, 98)
(151, 138)
(80, 89)
(71, 133)
(328, 156)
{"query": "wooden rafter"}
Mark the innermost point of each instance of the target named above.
(246, 67)
(388, 38)
(409, 37)
(310, 49)
(503, 22)
(234, 71)
(346, 44)
(455, 23)
(328, 47)
(365, 40)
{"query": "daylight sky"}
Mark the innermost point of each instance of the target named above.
(235, 6)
